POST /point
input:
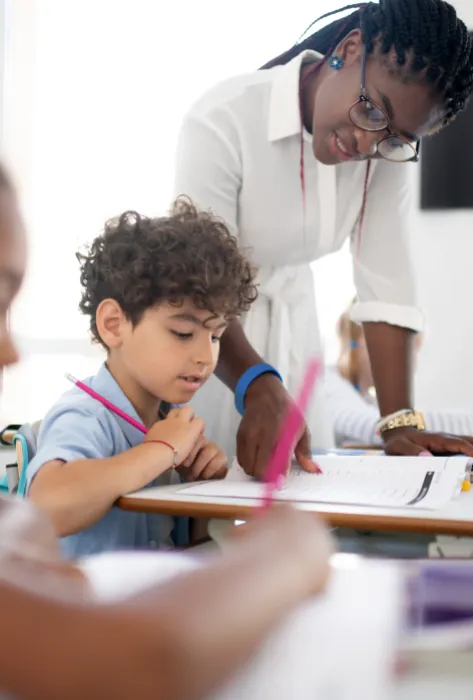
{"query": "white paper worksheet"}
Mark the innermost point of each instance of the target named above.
(417, 482)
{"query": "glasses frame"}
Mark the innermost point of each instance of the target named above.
(364, 98)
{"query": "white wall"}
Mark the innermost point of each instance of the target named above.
(443, 252)
(464, 10)
(442, 243)
(95, 91)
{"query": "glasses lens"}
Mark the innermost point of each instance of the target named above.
(368, 116)
(397, 149)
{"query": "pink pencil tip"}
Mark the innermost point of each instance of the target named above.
(70, 377)
(280, 482)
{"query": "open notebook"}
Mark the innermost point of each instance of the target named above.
(318, 652)
(417, 482)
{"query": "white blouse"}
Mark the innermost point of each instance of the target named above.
(239, 155)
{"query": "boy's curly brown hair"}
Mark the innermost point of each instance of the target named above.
(141, 262)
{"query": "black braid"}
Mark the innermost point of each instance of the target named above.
(427, 36)
(325, 37)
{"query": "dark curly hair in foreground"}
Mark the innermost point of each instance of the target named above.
(142, 262)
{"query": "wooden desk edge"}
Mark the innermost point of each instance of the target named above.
(231, 511)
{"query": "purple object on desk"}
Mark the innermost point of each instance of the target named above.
(440, 592)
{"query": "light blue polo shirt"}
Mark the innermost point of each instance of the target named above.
(80, 427)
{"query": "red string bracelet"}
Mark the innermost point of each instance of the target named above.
(175, 459)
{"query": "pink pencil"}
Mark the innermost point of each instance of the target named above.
(292, 425)
(108, 404)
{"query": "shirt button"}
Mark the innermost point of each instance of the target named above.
(153, 544)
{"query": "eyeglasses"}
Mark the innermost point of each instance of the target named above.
(367, 115)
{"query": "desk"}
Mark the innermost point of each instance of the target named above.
(418, 687)
(455, 519)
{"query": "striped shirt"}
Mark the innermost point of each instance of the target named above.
(354, 417)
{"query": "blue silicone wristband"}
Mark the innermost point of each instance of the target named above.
(245, 380)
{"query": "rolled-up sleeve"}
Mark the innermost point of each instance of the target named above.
(383, 270)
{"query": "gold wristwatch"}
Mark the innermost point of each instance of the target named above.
(404, 419)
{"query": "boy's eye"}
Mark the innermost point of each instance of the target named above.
(216, 339)
(182, 336)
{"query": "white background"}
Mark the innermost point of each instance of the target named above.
(94, 94)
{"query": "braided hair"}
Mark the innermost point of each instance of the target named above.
(427, 36)
(429, 40)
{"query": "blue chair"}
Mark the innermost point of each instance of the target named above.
(4, 486)
(24, 452)
(6, 438)
(25, 442)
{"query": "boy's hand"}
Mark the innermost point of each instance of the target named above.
(181, 429)
(205, 461)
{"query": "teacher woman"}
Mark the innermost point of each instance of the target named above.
(299, 156)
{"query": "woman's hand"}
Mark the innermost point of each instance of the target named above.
(266, 405)
(408, 441)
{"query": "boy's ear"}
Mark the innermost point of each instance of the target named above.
(111, 322)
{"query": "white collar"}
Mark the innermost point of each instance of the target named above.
(284, 111)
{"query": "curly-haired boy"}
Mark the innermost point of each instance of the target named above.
(159, 294)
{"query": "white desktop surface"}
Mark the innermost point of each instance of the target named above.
(456, 518)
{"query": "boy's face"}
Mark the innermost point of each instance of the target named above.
(171, 352)
(12, 269)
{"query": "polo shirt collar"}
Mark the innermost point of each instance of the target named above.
(284, 110)
(105, 385)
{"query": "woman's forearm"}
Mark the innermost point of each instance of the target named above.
(236, 355)
(391, 357)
